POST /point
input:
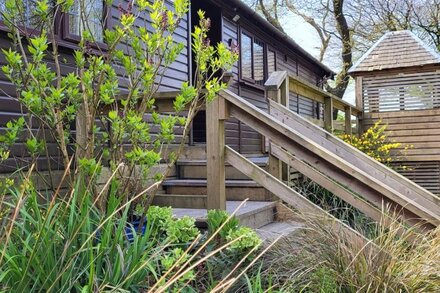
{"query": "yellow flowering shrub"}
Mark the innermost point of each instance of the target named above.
(375, 143)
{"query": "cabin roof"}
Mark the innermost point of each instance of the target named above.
(238, 5)
(397, 49)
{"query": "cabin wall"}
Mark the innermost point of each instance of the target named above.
(10, 108)
(238, 135)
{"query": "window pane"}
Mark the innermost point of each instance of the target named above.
(246, 56)
(258, 62)
(92, 19)
(271, 61)
(27, 17)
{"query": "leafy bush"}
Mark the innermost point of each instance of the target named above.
(91, 94)
(375, 143)
(230, 230)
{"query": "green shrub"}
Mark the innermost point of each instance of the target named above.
(217, 218)
(247, 239)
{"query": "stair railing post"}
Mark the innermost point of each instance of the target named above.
(216, 114)
(348, 126)
(328, 114)
(277, 89)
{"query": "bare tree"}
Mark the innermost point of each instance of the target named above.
(350, 27)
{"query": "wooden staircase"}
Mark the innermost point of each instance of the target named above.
(294, 141)
(189, 189)
(187, 194)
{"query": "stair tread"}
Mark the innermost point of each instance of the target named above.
(203, 182)
(248, 208)
(274, 230)
(259, 161)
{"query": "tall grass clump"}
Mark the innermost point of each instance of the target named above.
(70, 245)
(323, 259)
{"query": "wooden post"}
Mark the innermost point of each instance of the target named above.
(358, 93)
(328, 114)
(216, 113)
(359, 102)
(348, 128)
(274, 163)
(277, 89)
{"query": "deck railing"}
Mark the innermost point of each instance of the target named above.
(336, 166)
(280, 85)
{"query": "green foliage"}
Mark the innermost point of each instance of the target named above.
(92, 91)
(71, 245)
(217, 218)
(242, 238)
(182, 230)
(247, 239)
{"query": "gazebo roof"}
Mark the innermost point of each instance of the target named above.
(397, 49)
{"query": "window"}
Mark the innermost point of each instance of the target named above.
(271, 62)
(92, 20)
(28, 17)
(84, 15)
(258, 57)
(246, 56)
(252, 59)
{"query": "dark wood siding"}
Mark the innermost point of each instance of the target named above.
(288, 60)
(10, 108)
(232, 126)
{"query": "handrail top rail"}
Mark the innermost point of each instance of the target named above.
(337, 102)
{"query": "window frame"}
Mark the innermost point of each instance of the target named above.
(71, 38)
(243, 78)
(266, 47)
(61, 30)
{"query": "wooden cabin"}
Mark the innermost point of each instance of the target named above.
(263, 50)
(398, 83)
(268, 120)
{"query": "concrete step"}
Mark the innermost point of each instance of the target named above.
(253, 214)
(196, 169)
(235, 189)
(274, 230)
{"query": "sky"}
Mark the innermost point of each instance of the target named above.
(305, 36)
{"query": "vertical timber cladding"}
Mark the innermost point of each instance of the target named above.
(410, 105)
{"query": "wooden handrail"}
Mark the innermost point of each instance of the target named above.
(418, 210)
(353, 155)
(303, 87)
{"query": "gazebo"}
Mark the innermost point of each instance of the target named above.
(398, 82)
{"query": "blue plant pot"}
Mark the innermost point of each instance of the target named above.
(134, 227)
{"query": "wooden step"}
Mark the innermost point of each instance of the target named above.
(254, 214)
(235, 189)
(196, 169)
(186, 201)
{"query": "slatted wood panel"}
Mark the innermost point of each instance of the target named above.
(410, 91)
(426, 174)
(421, 129)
